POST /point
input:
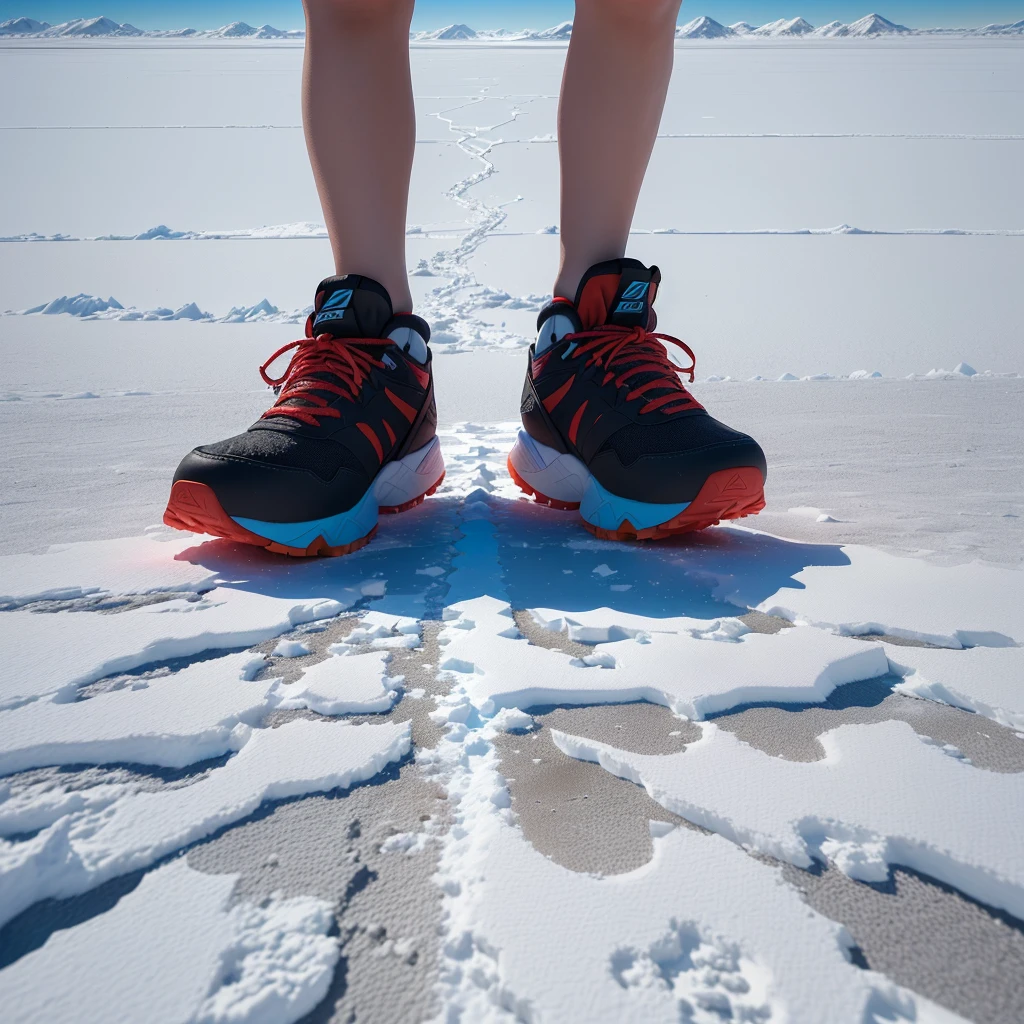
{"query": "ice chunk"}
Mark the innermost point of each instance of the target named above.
(344, 686)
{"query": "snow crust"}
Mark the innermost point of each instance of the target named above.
(694, 934)
(127, 566)
(94, 646)
(345, 686)
(83, 850)
(986, 680)
(962, 606)
(693, 673)
(170, 720)
(201, 959)
(939, 816)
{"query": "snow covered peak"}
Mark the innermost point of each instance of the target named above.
(1016, 29)
(269, 32)
(703, 28)
(742, 28)
(22, 27)
(560, 31)
(450, 32)
(235, 30)
(89, 27)
(783, 27)
(876, 25)
(833, 30)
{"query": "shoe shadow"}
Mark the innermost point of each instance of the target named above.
(539, 557)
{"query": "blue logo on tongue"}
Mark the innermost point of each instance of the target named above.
(633, 298)
(335, 306)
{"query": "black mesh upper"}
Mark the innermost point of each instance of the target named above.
(684, 434)
(317, 455)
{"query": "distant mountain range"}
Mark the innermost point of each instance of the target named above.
(90, 28)
(872, 26)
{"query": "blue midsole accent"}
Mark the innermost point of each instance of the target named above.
(609, 511)
(344, 528)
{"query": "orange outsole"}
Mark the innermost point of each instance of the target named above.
(194, 507)
(391, 510)
(727, 494)
(541, 499)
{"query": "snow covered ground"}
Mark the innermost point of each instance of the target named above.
(490, 768)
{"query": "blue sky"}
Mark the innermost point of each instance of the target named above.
(514, 13)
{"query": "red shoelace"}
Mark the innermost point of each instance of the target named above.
(343, 358)
(614, 347)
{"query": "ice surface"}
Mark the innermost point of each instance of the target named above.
(83, 850)
(968, 605)
(169, 720)
(881, 796)
(201, 959)
(692, 675)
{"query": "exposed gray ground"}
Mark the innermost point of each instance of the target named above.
(918, 932)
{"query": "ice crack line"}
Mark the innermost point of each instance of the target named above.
(451, 307)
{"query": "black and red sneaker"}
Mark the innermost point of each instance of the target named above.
(352, 433)
(609, 427)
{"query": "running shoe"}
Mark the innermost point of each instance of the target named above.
(352, 434)
(609, 427)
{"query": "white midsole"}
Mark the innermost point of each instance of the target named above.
(564, 478)
(410, 476)
(554, 474)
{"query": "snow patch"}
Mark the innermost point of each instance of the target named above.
(93, 646)
(962, 606)
(832, 808)
(985, 680)
(204, 959)
(83, 850)
(170, 720)
(682, 671)
(345, 686)
(290, 649)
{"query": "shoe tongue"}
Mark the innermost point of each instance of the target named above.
(618, 292)
(351, 307)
